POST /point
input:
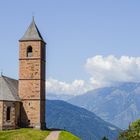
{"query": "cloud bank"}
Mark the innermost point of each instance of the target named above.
(75, 88)
(103, 71)
(110, 70)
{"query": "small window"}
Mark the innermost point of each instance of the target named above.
(29, 122)
(29, 51)
(8, 113)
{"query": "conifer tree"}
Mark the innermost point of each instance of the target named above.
(105, 138)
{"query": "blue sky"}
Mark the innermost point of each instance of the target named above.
(75, 30)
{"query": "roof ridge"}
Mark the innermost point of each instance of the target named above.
(1, 85)
(8, 86)
(3, 80)
(3, 76)
(10, 89)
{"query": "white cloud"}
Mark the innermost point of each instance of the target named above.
(108, 70)
(103, 71)
(75, 88)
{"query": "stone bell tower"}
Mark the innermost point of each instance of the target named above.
(32, 78)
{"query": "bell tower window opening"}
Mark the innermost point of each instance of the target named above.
(8, 114)
(29, 51)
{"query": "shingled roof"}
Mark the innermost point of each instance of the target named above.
(32, 33)
(8, 89)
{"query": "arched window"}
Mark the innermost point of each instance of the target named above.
(29, 51)
(8, 113)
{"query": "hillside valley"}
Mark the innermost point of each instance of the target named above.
(82, 123)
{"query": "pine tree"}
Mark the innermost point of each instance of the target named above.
(105, 138)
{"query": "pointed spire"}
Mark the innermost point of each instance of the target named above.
(32, 33)
(33, 18)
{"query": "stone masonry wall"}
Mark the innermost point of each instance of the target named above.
(1, 114)
(14, 115)
(32, 84)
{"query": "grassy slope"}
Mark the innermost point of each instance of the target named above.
(23, 134)
(67, 136)
(32, 134)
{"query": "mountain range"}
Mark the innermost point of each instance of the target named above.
(119, 105)
(82, 123)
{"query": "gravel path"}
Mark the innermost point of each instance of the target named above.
(54, 135)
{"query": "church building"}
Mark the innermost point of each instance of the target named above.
(22, 102)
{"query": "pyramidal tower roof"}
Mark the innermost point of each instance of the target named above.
(32, 33)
